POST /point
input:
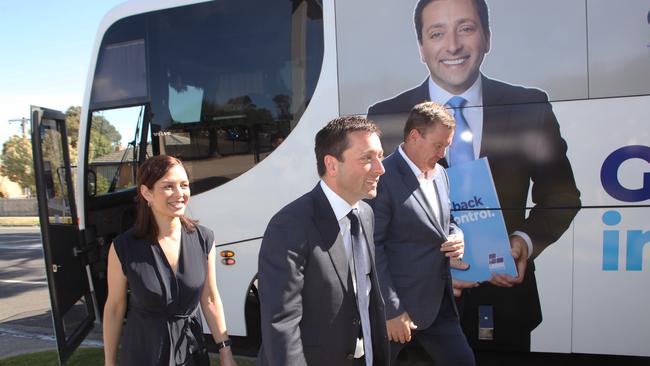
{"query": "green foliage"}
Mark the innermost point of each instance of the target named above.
(102, 184)
(85, 357)
(104, 137)
(17, 161)
(53, 159)
(72, 125)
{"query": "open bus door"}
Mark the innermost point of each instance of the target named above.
(73, 310)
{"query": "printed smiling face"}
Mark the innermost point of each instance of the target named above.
(453, 43)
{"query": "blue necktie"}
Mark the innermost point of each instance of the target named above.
(361, 271)
(462, 146)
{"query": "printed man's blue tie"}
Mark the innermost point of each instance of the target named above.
(462, 146)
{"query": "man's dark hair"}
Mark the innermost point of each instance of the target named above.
(481, 8)
(333, 138)
(426, 115)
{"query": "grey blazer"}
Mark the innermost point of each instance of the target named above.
(309, 312)
(413, 272)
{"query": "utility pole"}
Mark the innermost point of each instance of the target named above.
(23, 123)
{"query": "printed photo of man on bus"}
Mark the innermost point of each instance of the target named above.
(516, 129)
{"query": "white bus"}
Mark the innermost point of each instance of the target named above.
(238, 88)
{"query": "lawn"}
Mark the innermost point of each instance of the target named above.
(83, 357)
(18, 221)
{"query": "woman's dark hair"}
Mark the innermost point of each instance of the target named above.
(151, 171)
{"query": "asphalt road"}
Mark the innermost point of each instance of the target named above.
(25, 317)
(23, 286)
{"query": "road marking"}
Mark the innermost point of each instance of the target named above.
(22, 247)
(25, 282)
(44, 337)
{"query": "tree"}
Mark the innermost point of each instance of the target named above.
(104, 137)
(72, 125)
(102, 184)
(17, 161)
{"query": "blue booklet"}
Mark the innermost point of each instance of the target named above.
(476, 209)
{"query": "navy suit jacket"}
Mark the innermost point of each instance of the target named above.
(308, 307)
(413, 272)
(521, 139)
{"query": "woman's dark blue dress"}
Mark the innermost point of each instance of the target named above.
(163, 325)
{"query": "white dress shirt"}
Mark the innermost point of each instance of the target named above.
(426, 183)
(341, 209)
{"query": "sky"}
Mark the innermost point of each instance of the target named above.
(45, 48)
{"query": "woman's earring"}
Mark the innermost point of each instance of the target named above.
(149, 203)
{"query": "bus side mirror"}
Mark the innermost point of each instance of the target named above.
(91, 183)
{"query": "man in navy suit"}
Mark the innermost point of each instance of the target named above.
(516, 129)
(319, 293)
(413, 232)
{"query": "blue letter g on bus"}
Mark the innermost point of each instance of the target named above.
(609, 174)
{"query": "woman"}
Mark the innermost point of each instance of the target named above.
(168, 263)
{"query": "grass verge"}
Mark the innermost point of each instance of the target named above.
(84, 357)
(18, 221)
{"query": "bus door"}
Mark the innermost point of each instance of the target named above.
(73, 312)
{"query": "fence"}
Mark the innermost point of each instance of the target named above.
(18, 207)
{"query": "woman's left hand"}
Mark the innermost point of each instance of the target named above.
(226, 358)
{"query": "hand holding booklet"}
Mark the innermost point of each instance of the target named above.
(476, 209)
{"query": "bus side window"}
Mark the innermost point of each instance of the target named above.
(112, 149)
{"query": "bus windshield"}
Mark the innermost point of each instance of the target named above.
(225, 100)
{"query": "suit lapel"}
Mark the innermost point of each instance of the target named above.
(329, 229)
(339, 259)
(367, 226)
(441, 191)
(493, 109)
(413, 186)
(426, 206)
(420, 94)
